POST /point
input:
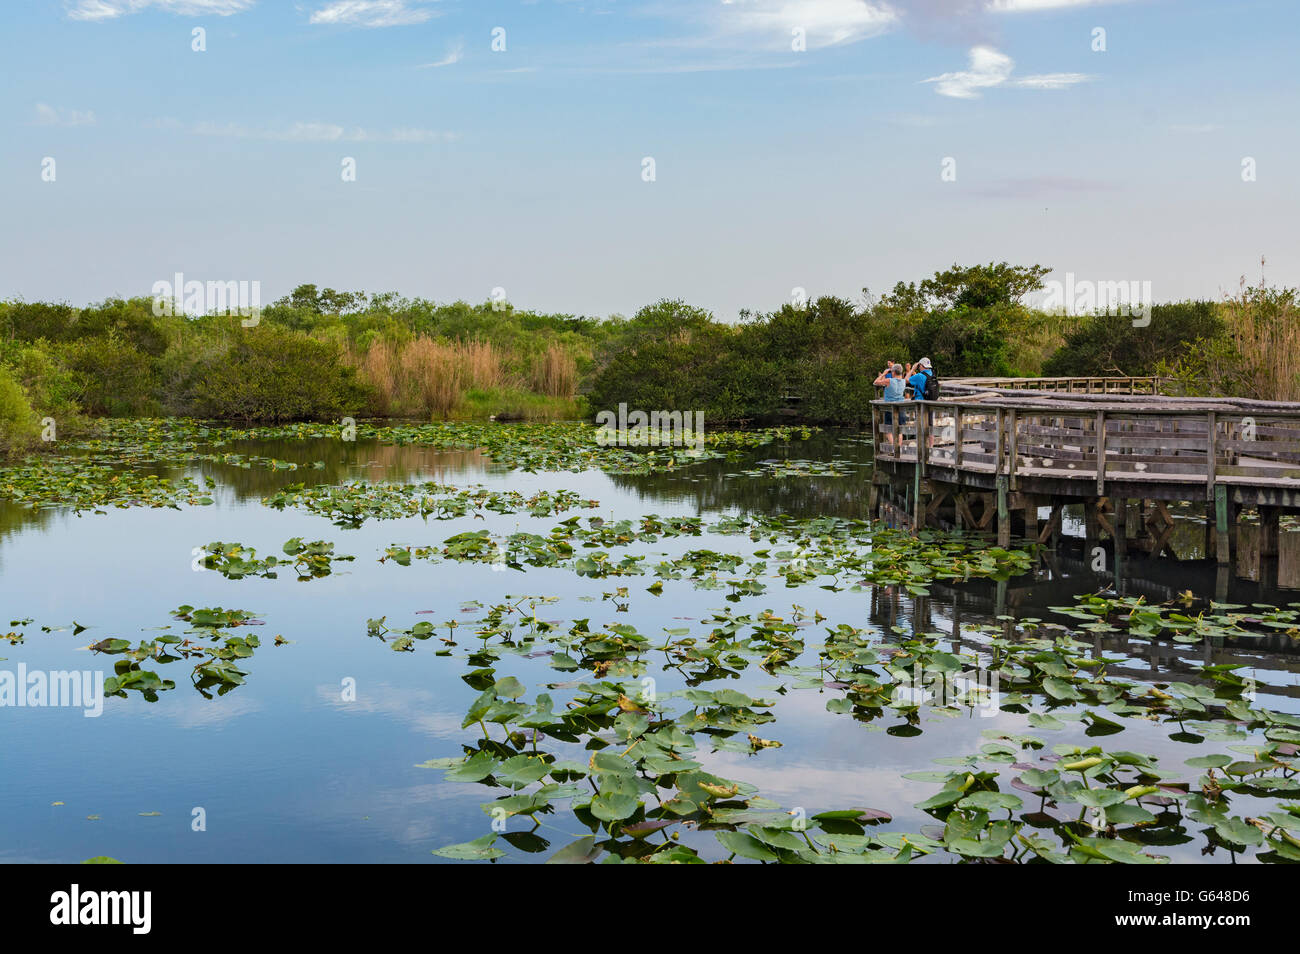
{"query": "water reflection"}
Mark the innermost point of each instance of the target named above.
(713, 486)
(307, 776)
(327, 461)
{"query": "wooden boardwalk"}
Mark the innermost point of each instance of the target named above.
(993, 453)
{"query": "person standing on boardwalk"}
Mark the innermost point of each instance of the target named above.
(894, 383)
(919, 377)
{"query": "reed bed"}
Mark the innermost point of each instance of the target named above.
(1264, 325)
(554, 373)
(425, 377)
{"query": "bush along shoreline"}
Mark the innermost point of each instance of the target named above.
(320, 354)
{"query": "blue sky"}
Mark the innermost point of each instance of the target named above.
(775, 168)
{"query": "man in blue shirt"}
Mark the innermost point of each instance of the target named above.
(919, 381)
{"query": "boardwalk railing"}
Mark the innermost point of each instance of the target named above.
(1082, 385)
(1085, 443)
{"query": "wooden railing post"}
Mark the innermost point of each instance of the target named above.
(1012, 427)
(957, 439)
(1211, 453)
(1004, 513)
(1000, 444)
(922, 429)
(1101, 453)
(1223, 536)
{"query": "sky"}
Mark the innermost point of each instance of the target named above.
(593, 156)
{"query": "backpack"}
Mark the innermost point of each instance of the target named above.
(931, 386)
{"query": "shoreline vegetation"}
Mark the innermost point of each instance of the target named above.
(319, 354)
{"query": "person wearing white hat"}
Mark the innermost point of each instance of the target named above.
(919, 376)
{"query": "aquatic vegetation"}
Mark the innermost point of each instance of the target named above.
(1227, 621)
(801, 468)
(350, 505)
(216, 668)
(16, 636)
(636, 734)
(642, 781)
(235, 561)
(95, 486)
(105, 468)
(822, 548)
(562, 446)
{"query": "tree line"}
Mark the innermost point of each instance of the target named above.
(320, 354)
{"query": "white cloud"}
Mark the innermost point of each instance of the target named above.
(408, 134)
(111, 9)
(314, 132)
(826, 22)
(454, 55)
(373, 13)
(990, 68)
(1051, 80)
(47, 115)
(1022, 6)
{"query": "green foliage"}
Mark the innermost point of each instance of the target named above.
(966, 342)
(514, 404)
(1205, 368)
(272, 375)
(33, 321)
(19, 428)
(1112, 344)
(117, 357)
(827, 352)
(695, 369)
(974, 286)
(51, 388)
(112, 376)
(131, 320)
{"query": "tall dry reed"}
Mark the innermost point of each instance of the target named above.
(428, 378)
(380, 368)
(554, 373)
(482, 364)
(432, 378)
(421, 378)
(1264, 325)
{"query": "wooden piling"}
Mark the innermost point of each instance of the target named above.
(1004, 513)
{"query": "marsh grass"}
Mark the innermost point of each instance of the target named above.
(431, 378)
(517, 404)
(428, 378)
(1264, 326)
(1256, 354)
(554, 373)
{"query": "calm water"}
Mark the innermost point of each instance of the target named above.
(286, 770)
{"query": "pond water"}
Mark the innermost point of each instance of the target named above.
(316, 756)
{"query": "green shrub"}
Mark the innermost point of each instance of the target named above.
(52, 387)
(1113, 345)
(827, 353)
(965, 342)
(270, 375)
(701, 368)
(130, 320)
(19, 427)
(32, 321)
(113, 378)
